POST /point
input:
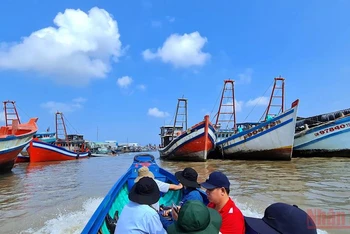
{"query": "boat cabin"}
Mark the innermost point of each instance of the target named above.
(168, 133)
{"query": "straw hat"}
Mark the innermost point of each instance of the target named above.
(144, 172)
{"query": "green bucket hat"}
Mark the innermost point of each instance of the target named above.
(195, 217)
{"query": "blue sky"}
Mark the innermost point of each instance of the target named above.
(53, 59)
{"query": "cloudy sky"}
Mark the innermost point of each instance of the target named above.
(120, 66)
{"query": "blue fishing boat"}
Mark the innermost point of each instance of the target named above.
(106, 214)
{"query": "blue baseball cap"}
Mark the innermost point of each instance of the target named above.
(216, 180)
(282, 218)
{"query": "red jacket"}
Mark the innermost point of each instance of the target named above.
(232, 218)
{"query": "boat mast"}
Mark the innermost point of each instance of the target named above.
(181, 110)
(61, 132)
(227, 108)
(11, 113)
(275, 94)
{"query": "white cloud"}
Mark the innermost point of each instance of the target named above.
(74, 52)
(259, 101)
(141, 87)
(181, 50)
(157, 113)
(124, 81)
(239, 105)
(2, 116)
(74, 105)
(245, 77)
(156, 24)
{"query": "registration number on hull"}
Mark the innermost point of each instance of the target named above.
(262, 129)
(332, 129)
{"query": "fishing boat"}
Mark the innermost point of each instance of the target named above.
(269, 139)
(180, 143)
(66, 147)
(48, 137)
(14, 136)
(323, 135)
(106, 215)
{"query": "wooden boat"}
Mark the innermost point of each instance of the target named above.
(48, 137)
(106, 214)
(269, 139)
(43, 152)
(187, 144)
(68, 147)
(14, 137)
(323, 135)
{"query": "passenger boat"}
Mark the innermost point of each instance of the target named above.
(105, 216)
(14, 136)
(180, 143)
(323, 135)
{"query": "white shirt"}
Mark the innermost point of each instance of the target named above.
(136, 219)
(164, 188)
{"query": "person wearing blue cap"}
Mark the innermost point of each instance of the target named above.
(282, 218)
(218, 189)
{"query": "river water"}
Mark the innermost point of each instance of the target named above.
(60, 197)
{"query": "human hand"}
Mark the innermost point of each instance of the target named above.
(166, 212)
(174, 213)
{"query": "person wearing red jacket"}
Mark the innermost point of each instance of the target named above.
(218, 189)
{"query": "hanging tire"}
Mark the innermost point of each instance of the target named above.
(77, 157)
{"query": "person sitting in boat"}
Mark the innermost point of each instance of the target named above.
(163, 187)
(138, 215)
(188, 178)
(218, 189)
(281, 218)
(195, 217)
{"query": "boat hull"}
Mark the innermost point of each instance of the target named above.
(43, 152)
(8, 158)
(22, 158)
(117, 197)
(327, 140)
(12, 145)
(270, 140)
(191, 145)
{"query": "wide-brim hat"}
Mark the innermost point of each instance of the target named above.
(188, 177)
(282, 218)
(144, 172)
(145, 191)
(190, 221)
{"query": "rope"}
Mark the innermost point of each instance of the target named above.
(70, 124)
(22, 110)
(258, 102)
(214, 107)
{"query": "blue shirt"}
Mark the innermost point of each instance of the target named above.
(188, 194)
(139, 219)
(191, 194)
